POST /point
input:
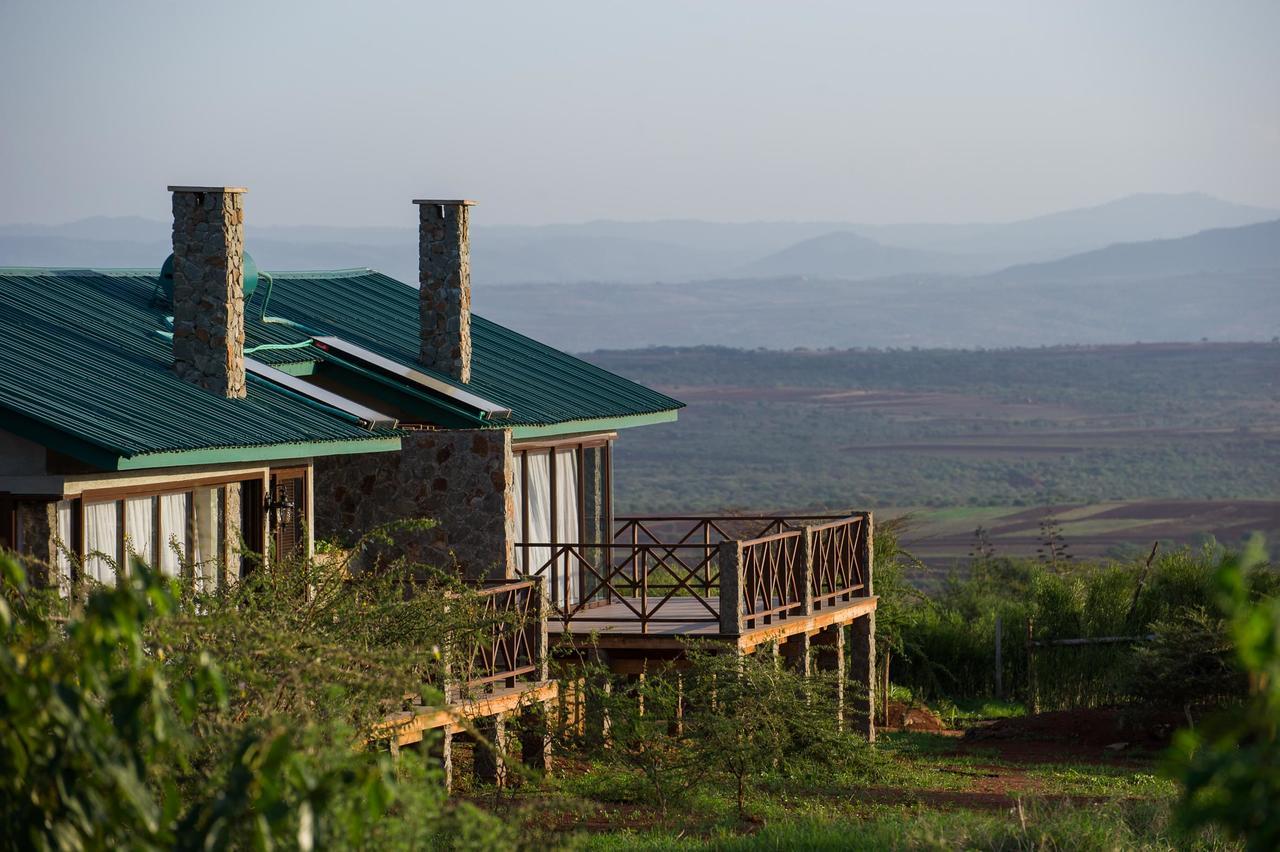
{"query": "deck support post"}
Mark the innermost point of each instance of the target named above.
(595, 702)
(490, 760)
(731, 585)
(535, 738)
(862, 654)
(795, 654)
(440, 751)
(675, 725)
(830, 658)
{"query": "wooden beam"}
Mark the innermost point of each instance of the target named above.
(408, 726)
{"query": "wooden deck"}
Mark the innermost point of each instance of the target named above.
(616, 625)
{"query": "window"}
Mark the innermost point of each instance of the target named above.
(183, 533)
(562, 508)
(102, 540)
(140, 528)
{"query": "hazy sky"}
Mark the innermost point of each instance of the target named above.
(340, 113)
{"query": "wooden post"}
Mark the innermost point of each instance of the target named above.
(490, 759)
(1033, 702)
(441, 750)
(806, 572)
(885, 691)
(731, 583)
(595, 707)
(999, 658)
(538, 649)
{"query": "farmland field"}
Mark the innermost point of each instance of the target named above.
(1122, 445)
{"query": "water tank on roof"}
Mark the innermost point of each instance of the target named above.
(247, 265)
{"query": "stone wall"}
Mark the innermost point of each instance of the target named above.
(462, 479)
(37, 544)
(208, 289)
(444, 287)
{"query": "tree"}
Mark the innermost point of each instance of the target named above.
(1229, 766)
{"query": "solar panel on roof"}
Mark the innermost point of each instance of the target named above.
(490, 410)
(368, 417)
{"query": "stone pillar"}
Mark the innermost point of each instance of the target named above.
(829, 657)
(37, 542)
(731, 583)
(862, 659)
(461, 478)
(444, 286)
(490, 758)
(441, 751)
(208, 287)
(535, 738)
(795, 653)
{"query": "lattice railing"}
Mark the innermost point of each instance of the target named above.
(507, 643)
(670, 570)
(836, 555)
(773, 581)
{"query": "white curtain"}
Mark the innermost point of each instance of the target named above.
(538, 475)
(101, 541)
(173, 531)
(140, 528)
(208, 512)
(567, 527)
(62, 559)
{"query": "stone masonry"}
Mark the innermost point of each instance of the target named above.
(444, 286)
(208, 288)
(463, 479)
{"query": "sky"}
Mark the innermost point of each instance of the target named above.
(340, 113)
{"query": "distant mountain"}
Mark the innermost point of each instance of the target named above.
(844, 254)
(669, 250)
(1134, 218)
(1250, 248)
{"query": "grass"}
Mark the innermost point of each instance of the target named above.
(917, 791)
(1140, 825)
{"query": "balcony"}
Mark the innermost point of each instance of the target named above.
(744, 578)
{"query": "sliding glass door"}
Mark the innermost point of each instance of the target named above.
(562, 511)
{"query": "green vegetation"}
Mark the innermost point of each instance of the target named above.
(146, 716)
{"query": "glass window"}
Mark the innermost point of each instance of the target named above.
(210, 536)
(140, 528)
(174, 518)
(102, 541)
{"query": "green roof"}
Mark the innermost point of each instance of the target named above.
(542, 386)
(84, 368)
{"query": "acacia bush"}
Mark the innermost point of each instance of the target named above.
(151, 715)
(746, 722)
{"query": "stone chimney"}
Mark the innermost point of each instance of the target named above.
(208, 287)
(444, 286)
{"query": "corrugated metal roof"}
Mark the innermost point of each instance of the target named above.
(80, 353)
(541, 385)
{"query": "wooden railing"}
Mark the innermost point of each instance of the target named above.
(507, 645)
(840, 557)
(738, 571)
